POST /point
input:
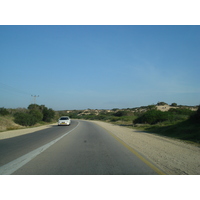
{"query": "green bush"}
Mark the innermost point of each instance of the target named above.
(37, 115)
(24, 119)
(41, 112)
(172, 116)
(114, 119)
(119, 113)
(122, 113)
(151, 107)
(181, 111)
(174, 104)
(3, 111)
(152, 117)
(33, 115)
(196, 116)
(33, 107)
(161, 103)
(101, 117)
(48, 114)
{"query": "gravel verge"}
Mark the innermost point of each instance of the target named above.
(174, 157)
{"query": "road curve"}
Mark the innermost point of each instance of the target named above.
(83, 148)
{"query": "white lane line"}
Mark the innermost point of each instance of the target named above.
(14, 165)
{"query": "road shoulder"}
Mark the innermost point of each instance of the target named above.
(175, 157)
(18, 132)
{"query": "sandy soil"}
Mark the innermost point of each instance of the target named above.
(173, 156)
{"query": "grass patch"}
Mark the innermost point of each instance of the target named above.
(10, 128)
(185, 130)
(180, 123)
(6, 123)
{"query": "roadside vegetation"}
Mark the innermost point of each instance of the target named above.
(34, 115)
(114, 115)
(181, 122)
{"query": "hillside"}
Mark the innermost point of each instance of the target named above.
(168, 120)
(82, 113)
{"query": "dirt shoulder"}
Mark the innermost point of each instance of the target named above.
(174, 157)
(18, 132)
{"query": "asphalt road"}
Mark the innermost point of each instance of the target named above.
(83, 148)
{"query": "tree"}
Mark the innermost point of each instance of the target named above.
(41, 112)
(48, 114)
(161, 104)
(151, 107)
(37, 115)
(24, 119)
(174, 104)
(3, 111)
(119, 113)
(33, 107)
(33, 115)
(196, 116)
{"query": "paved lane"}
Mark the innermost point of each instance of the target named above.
(87, 150)
(13, 148)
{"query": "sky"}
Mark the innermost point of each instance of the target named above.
(99, 67)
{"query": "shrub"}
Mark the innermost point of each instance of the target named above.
(181, 111)
(174, 104)
(101, 117)
(3, 111)
(151, 107)
(37, 115)
(196, 116)
(33, 107)
(161, 104)
(120, 113)
(41, 112)
(24, 119)
(48, 114)
(173, 115)
(152, 117)
(114, 119)
(33, 115)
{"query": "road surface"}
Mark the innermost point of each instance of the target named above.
(83, 148)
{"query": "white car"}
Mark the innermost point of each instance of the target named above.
(64, 120)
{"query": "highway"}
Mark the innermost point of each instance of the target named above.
(83, 148)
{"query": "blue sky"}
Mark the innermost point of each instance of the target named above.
(99, 67)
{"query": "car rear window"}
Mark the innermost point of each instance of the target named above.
(64, 118)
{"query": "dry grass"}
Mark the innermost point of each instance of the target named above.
(6, 123)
